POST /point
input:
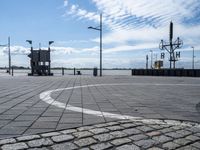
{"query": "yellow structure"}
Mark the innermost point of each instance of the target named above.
(158, 64)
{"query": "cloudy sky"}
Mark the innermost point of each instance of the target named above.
(131, 28)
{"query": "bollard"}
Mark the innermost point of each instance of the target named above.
(95, 72)
(74, 71)
(63, 71)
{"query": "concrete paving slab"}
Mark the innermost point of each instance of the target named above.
(146, 97)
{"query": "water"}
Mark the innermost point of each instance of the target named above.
(18, 72)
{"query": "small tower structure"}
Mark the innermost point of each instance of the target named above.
(40, 62)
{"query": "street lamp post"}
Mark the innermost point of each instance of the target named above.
(193, 57)
(99, 29)
(49, 49)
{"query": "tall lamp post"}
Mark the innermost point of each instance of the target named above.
(49, 49)
(99, 29)
(193, 57)
(9, 54)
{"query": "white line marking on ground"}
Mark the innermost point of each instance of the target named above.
(46, 97)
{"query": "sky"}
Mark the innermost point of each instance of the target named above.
(131, 28)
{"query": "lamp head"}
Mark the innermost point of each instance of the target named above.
(51, 42)
(29, 41)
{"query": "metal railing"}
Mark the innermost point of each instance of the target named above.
(64, 72)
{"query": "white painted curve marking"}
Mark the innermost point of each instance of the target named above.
(46, 97)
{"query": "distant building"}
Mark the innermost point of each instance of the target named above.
(40, 62)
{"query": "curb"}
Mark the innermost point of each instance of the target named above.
(152, 134)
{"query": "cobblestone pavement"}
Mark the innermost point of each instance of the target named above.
(119, 135)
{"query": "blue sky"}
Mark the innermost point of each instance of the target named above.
(131, 28)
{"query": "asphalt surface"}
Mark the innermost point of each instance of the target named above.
(23, 112)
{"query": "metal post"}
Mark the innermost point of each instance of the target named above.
(12, 70)
(63, 73)
(151, 59)
(49, 69)
(9, 55)
(193, 58)
(100, 29)
(174, 65)
(171, 44)
(170, 54)
(32, 60)
(100, 44)
(74, 71)
(147, 58)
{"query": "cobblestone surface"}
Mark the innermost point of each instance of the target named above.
(104, 137)
(85, 142)
(101, 146)
(40, 142)
(7, 141)
(15, 146)
(50, 134)
(82, 134)
(128, 147)
(28, 137)
(64, 146)
(125, 138)
(62, 138)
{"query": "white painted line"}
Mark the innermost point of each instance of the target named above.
(46, 97)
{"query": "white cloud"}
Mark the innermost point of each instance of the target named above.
(15, 50)
(20, 50)
(71, 42)
(63, 50)
(82, 60)
(65, 3)
(82, 13)
(145, 12)
(128, 14)
(92, 49)
(124, 48)
(188, 34)
(140, 35)
(142, 21)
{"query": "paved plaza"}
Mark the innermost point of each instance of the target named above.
(35, 105)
